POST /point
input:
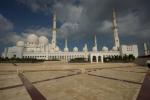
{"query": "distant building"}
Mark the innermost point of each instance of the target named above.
(129, 50)
(40, 48)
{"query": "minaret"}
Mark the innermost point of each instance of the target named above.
(66, 46)
(145, 49)
(95, 44)
(85, 48)
(53, 42)
(115, 31)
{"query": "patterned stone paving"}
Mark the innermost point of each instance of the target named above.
(73, 81)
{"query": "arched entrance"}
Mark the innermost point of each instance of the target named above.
(94, 59)
(99, 58)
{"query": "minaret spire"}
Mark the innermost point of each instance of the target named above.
(95, 44)
(95, 41)
(145, 49)
(85, 48)
(66, 46)
(53, 42)
(115, 31)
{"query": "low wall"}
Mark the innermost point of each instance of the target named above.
(142, 61)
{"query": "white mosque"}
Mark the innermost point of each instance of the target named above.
(40, 48)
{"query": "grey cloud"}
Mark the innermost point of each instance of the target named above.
(105, 27)
(95, 16)
(67, 29)
(6, 27)
(5, 24)
(37, 5)
(11, 38)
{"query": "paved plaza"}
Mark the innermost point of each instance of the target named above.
(63, 81)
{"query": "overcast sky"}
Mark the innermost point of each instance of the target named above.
(78, 20)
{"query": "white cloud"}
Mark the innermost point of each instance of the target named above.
(7, 35)
(73, 17)
(128, 25)
(40, 31)
(106, 27)
(92, 15)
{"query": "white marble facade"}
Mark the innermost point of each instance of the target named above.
(41, 48)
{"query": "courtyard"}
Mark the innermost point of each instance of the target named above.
(76, 81)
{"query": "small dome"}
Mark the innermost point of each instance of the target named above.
(114, 48)
(43, 40)
(20, 44)
(94, 48)
(32, 38)
(57, 48)
(66, 49)
(105, 48)
(75, 49)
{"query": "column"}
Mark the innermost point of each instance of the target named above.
(102, 59)
(96, 59)
(91, 58)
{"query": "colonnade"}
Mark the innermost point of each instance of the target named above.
(96, 58)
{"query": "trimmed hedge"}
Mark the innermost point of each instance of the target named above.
(18, 60)
(78, 60)
(124, 59)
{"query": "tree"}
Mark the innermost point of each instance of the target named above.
(131, 57)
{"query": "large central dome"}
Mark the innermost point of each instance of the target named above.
(43, 40)
(32, 38)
